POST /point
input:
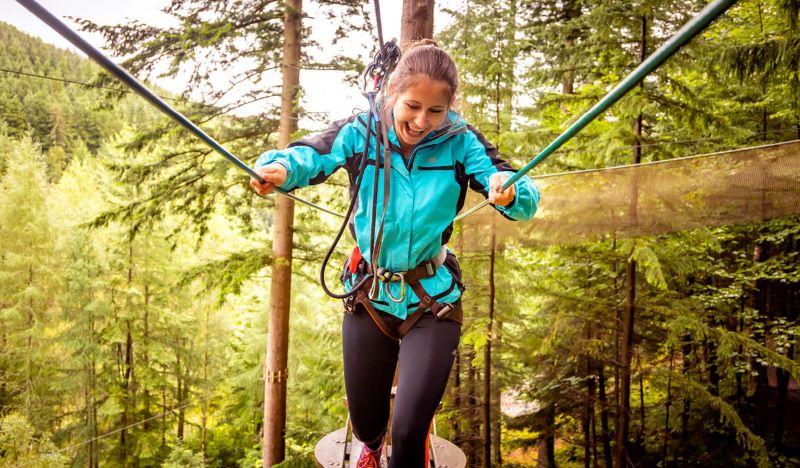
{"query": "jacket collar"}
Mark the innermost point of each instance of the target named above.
(454, 124)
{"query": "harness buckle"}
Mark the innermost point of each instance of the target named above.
(430, 268)
(445, 310)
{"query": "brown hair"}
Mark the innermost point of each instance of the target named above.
(423, 57)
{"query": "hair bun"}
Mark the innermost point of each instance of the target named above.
(408, 45)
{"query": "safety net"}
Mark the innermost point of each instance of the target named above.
(733, 187)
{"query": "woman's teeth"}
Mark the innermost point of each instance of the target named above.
(414, 131)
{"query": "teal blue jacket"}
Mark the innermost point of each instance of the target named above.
(427, 192)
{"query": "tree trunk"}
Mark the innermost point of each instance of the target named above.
(181, 390)
(127, 378)
(601, 387)
(546, 449)
(487, 373)
(623, 416)
(687, 402)
(164, 416)
(667, 405)
(275, 369)
(786, 303)
(146, 357)
(417, 21)
(588, 412)
(497, 454)
(470, 410)
(626, 350)
(457, 390)
(572, 10)
(204, 403)
(29, 353)
(640, 438)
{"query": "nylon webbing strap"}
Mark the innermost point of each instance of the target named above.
(387, 173)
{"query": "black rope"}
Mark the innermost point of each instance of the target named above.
(377, 5)
(378, 70)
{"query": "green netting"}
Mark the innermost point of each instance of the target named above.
(732, 187)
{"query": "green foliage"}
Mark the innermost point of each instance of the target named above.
(133, 288)
(20, 446)
(182, 457)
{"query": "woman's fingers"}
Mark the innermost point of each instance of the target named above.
(496, 196)
(273, 174)
(261, 189)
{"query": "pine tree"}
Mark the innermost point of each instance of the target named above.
(29, 279)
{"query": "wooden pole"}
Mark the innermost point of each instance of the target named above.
(275, 369)
(417, 22)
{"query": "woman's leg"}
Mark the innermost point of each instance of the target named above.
(426, 357)
(370, 359)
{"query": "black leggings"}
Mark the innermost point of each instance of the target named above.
(426, 356)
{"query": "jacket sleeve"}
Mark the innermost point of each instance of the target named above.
(481, 161)
(312, 160)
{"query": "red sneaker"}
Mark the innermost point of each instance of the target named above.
(369, 458)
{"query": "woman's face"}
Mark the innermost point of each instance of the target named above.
(420, 109)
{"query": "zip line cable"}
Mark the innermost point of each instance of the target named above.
(696, 25)
(125, 91)
(123, 75)
(76, 82)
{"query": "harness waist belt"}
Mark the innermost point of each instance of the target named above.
(425, 269)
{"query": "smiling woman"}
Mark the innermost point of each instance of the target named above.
(421, 91)
(405, 284)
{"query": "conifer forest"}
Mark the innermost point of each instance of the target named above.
(135, 262)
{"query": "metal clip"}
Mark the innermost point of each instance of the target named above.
(445, 310)
(402, 288)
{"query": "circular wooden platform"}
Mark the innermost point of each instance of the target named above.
(333, 451)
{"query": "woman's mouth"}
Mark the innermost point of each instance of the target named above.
(414, 132)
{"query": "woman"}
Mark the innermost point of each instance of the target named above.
(411, 310)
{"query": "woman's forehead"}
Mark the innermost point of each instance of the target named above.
(427, 90)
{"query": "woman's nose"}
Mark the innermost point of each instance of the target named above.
(420, 121)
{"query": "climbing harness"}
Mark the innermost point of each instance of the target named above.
(123, 75)
(410, 278)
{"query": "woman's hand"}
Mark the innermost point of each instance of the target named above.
(273, 174)
(497, 197)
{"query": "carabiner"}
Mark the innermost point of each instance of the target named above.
(402, 288)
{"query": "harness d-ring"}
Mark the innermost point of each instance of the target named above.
(402, 288)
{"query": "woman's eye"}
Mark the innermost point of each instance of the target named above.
(412, 106)
(436, 111)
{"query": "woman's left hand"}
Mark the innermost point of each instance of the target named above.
(497, 197)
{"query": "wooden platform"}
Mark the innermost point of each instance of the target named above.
(334, 450)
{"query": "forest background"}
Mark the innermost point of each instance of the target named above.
(134, 262)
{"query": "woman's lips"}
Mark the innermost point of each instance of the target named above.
(414, 133)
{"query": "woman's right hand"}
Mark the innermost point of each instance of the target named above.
(273, 174)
